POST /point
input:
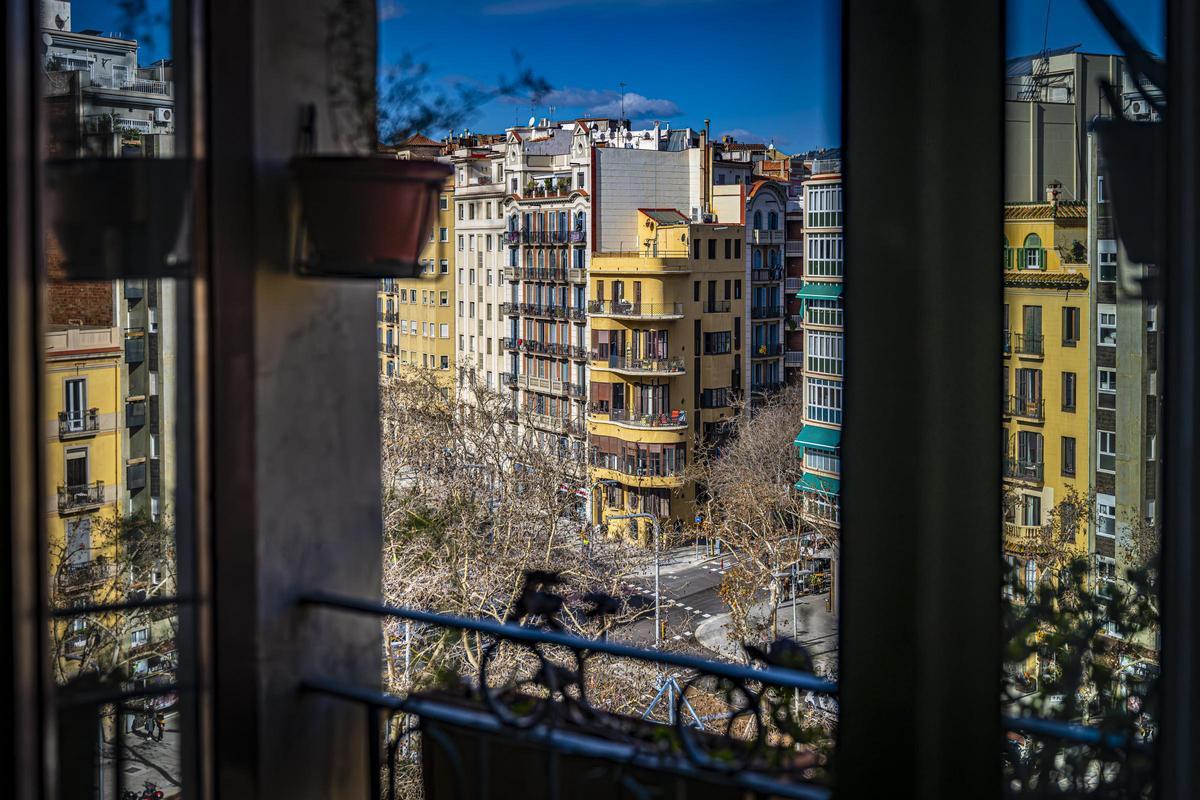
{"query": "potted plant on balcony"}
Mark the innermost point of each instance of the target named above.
(564, 185)
(366, 214)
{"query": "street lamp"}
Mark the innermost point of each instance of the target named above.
(657, 612)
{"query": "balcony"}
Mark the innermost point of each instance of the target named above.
(88, 575)
(716, 306)
(826, 166)
(1023, 470)
(1025, 407)
(554, 424)
(629, 309)
(643, 474)
(793, 284)
(577, 275)
(674, 421)
(794, 248)
(632, 261)
(1025, 540)
(766, 275)
(78, 424)
(767, 350)
(764, 236)
(510, 379)
(766, 312)
(639, 366)
(389, 317)
(87, 496)
(1028, 346)
(794, 359)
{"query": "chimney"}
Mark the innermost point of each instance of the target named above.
(1053, 190)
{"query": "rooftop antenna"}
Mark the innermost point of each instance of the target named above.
(1041, 63)
(622, 84)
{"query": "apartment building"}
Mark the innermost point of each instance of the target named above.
(85, 469)
(480, 283)
(822, 326)
(1124, 402)
(416, 315)
(554, 174)
(1048, 337)
(665, 341)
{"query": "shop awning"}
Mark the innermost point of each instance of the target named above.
(816, 436)
(816, 483)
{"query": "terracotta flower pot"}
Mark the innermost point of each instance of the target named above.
(121, 217)
(367, 217)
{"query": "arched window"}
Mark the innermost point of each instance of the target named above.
(773, 259)
(1033, 252)
(757, 220)
(758, 259)
(772, 221)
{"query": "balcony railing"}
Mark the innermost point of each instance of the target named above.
(72, 424)
(825, 166)
(510, 379)
(1025, 539)
(716, 306)
(767, 350)
(1029, 408)
(770, 275)
(635, 310)
(636, 469)
(390, 317)
(764, 236)
(87, 574)
(1028, 345)
(76, 498)
(793, 358)
(535, 717)
(766, 312)
(793, 284)
(675, 419)
(1023, 470)
(667, 366)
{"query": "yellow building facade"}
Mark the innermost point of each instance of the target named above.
(83, 413)
(1048, 336)
(666, 356)
(416, 315)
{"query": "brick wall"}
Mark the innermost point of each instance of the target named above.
(75, 302)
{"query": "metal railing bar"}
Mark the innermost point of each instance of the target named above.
(562, 741)
(1072, 732)
(775, 676)
(93, 698)
(104, 608)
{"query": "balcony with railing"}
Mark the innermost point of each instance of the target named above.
(78, 424)
(794, 359)
(643, 472)
(1025, 407)
(766, 275)
(676, 261)
(389, 317)
(716, 306)
(767, 350)
(85, 575)
(826, 166)
(667, 420)
(793, 284)
(793, 248)
(1023, 470)
(639, 366)
(1026, 540)
(765, 236)
(80, 498)
(631, 309)
(1030, 346)
(766, 312)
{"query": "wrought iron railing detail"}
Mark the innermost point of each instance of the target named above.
(762, 743)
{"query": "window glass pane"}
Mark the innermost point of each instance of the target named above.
(1081, 540)
(116, 362)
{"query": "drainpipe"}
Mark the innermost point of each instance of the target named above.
(705, 166)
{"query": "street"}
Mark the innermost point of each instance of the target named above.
(142, 760)
(696, 616)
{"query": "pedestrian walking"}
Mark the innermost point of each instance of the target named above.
(160, 721)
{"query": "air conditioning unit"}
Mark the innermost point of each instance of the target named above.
(1139, 109)
(164, 114)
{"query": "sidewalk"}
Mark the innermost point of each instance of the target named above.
(817, 630)
(145, 760)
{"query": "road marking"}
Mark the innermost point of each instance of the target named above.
(677, 638)
(707, 616)
(689, 608)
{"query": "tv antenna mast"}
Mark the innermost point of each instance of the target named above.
(622, 84)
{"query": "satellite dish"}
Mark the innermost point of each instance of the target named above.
(532, 121)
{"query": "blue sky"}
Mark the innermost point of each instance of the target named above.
(762, 70)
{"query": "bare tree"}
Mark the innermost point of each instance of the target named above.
(746, 480)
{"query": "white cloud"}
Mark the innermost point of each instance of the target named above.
(600, 103)
(390, 9)
(635, 105)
